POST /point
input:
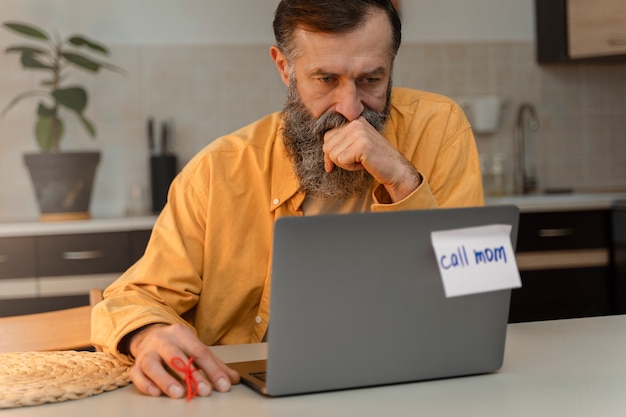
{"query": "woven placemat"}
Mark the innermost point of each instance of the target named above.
(33, 378)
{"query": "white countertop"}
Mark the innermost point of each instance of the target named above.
(559, 202)
(529, 203)
(554, 368)
(96, 225)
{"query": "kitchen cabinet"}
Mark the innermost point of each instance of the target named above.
(580, 29)
(83, 254)
(17, 257)
(564, 263)
(618, 218)
(596, 28)
(49, 271)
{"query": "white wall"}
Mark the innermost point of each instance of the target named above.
(159, 22)
(467, 20)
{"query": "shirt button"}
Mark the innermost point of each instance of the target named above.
(276, 201)
(258, 319)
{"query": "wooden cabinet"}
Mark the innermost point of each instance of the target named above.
(580, 29)
(596, 28)
(564, 262)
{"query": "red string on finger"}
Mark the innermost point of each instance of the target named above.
(186, 368)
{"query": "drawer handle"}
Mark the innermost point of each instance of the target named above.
(4, 258)
(617, 41)
(83, 255)
(556, 232)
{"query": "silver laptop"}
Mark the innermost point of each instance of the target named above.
(357, 300)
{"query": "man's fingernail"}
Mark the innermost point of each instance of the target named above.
(222, 385)
(175, 391)
(204, 389)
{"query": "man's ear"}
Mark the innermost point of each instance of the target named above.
(282, 64)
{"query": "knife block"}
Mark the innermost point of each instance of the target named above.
(162, 172)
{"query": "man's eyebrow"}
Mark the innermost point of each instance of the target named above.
(322, 72)
(378, 71)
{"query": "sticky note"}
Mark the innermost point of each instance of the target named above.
(476, 259)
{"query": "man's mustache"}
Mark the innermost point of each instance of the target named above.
(332, 120)
(328, 121)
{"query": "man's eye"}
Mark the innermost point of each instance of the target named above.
(370, 80)
(327, 80)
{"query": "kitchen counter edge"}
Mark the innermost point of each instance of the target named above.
(559, 202)
(94, 225)
(530, 203)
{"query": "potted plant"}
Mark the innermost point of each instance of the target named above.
(62, 180)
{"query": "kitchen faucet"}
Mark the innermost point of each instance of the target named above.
(524, 181)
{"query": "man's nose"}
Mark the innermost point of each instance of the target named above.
(348, 102)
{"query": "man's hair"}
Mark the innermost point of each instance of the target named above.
(330, 16)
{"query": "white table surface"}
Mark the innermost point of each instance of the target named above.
(555, 368)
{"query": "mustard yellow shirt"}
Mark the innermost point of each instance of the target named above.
(207, 264)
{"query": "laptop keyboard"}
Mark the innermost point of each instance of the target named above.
(261, 375)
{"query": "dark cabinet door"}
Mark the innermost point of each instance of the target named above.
(566, 230)
(17, 257)
(551, 31)
(93, 253)
(138, 242)
(566, 282)
(560, 294)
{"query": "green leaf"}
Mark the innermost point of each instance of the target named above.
(43, 110)
(30, 49)
(27, 30)
(49, 131)
(88, 124)
(30, 60)
(88, 63)
(113, 68)
(79, 40)
(74, 98)
(82, 61)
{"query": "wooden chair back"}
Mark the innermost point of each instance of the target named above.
(67, 329)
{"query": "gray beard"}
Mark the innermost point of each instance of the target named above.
(304, 138)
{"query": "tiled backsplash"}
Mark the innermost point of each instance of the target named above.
(581, 141)
(211, 90)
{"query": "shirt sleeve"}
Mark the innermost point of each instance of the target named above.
(438, 141)
(165, 283)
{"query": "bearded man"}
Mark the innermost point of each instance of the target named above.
(345, 142)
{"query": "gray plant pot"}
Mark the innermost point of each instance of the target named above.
(63, 183)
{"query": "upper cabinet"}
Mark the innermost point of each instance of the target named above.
(580, 29)
(596, 28)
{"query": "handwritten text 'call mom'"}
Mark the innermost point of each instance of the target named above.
(460, 258)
